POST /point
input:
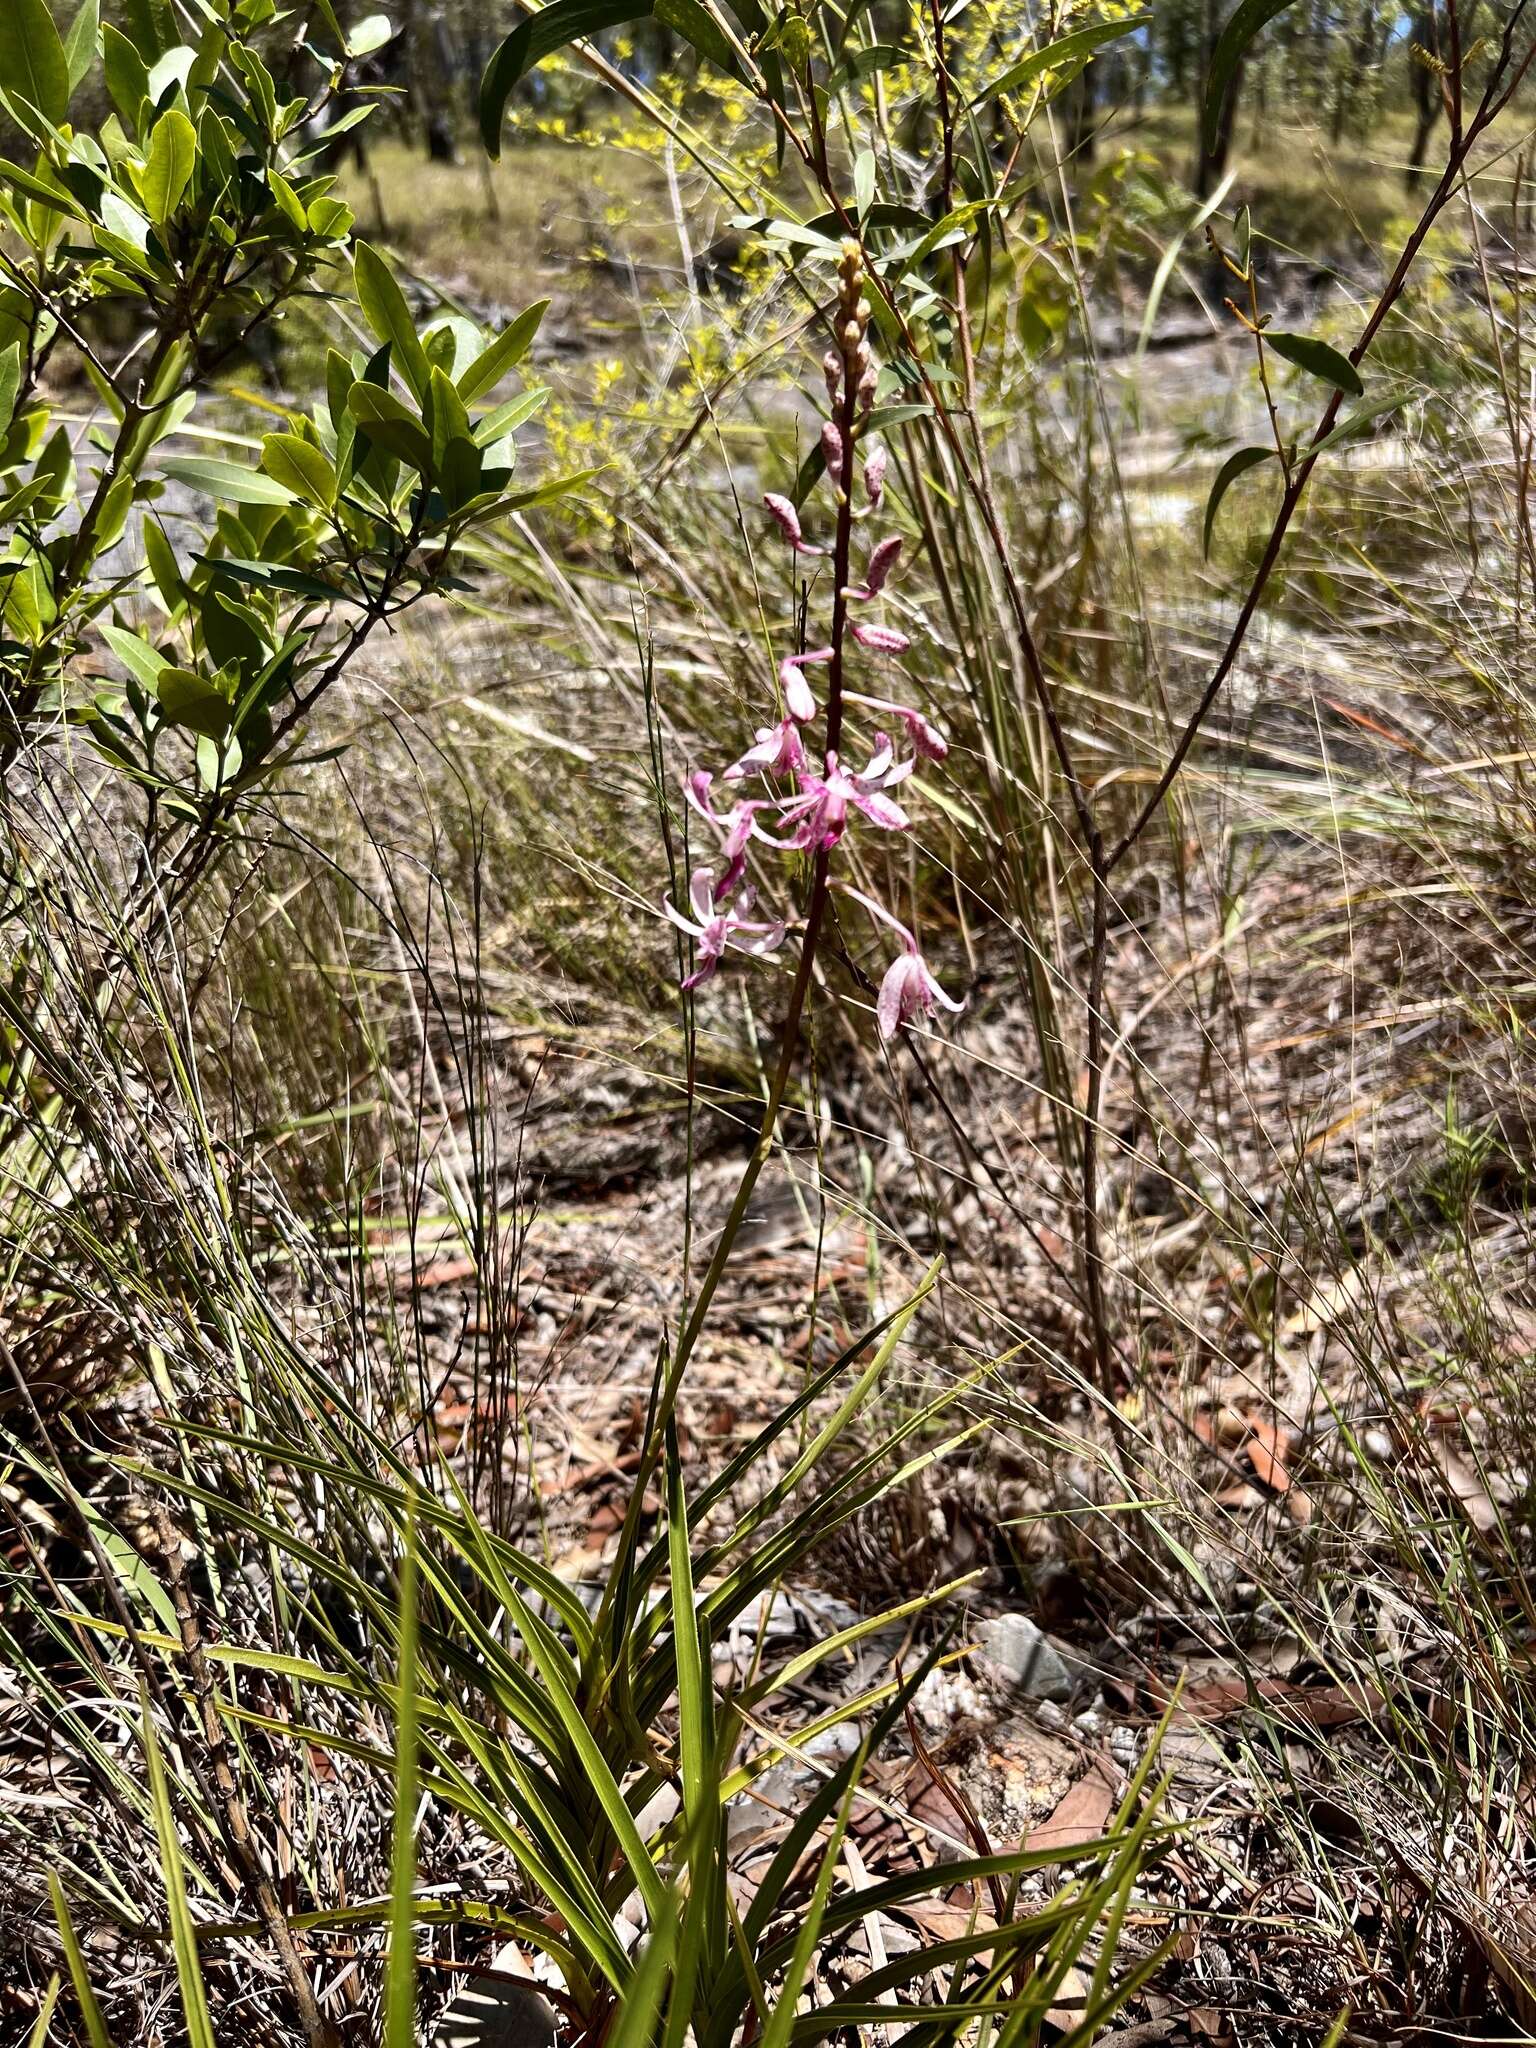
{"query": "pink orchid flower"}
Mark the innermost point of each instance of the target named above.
(799, 701)
(832, 450)
(882, 560)
(778, 751)
(738, 825)
(874, 478)
(787, 519)
(713, 929)
(909, 989)
(820, 813)
(925, 737)
(881, 639)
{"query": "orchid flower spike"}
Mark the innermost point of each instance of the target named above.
(778, 750)
(713, 929)
(787, 520)
(909, 989)
(881, 639)
(925, 736)
(799, 701)
(882, 559)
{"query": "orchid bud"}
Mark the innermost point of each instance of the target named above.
(881, 639)
(787, 519)
(832, 450)
(882, 559)
(832, 370)
(874, 483)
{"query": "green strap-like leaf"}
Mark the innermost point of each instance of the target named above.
(32, 60)
(1360, 419)
(1226, 476)
(503, 354)
(569, 21)
(1247, 19)
(1317, 359)
(194, 1997)
(90, 2012)
(227, 480)
(389, 316)
(400, 1966)
(1076, 49)
(539, 36)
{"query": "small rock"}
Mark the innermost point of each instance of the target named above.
(1024, 1657)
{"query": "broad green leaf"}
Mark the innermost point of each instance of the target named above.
(386, 312)
(161, 558)
(80, 43)
(149, 26)
(1317, 359)
(41, 188)
(1245, 22)
(191, 700)
(10, 384)
(391, 424)
(1074, 49)
(136, 655)
(168, 166)
(127, 75)
(371, 34)
(1234, 467)
(300, 466)
(32, 59)
(503, 354)
(227, 480)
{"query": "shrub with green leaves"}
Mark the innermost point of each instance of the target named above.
(180, 591)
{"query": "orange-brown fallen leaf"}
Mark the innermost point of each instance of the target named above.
(1081, 1815)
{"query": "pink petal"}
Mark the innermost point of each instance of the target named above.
(935, 993)
(670, 909)
(894, 1003)
(701, 894)
(881, 811)
(762, 939)
(799, 700)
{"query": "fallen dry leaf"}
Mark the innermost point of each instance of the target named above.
(1081, 1815)
(1269, 1448)
(1465, 1486)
